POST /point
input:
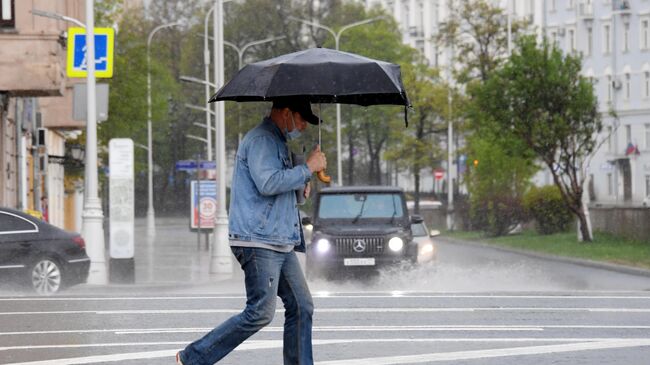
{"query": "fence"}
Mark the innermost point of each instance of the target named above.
(629, 222)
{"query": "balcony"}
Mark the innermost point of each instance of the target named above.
(621, 6)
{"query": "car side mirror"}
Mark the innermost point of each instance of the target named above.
(415, 219)
(434, 232)
(306, 220)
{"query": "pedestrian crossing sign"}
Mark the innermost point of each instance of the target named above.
(76, 65)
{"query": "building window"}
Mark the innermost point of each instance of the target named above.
(610, 139)
(645, 34)
(607, 43)
(572, 40)
(609, 87)
(628, 86)
(628, 134)
(590, 41)
(647, 137)
(610, 184)
(554, 37)
(626, 37)
(7, 14)
(552, 5)
(646, 89)
(647, 185)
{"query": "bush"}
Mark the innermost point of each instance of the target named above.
(497, 215)
(549, 210)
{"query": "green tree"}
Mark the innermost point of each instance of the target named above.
(478, 32)
(498, 182)
(540, 98)
(368, 130)
(415, 148)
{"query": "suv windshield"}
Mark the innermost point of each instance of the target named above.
(355, 206)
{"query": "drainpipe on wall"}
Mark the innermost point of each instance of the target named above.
(20, 156)
(36, 158)
(613, 41)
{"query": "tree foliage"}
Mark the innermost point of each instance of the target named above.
(416, 149)
(478, 31)
(546, 206)
(540, 98)
(367, 132)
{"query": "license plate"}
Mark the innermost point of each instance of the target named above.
(359, 262)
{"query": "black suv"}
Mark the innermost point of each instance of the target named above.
(359, 226)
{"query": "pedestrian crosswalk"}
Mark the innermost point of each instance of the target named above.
(350, 328)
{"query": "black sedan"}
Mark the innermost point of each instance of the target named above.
(39, 254)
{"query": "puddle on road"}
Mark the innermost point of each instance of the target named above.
(441, 277)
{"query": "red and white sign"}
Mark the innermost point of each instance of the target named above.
(439, 174)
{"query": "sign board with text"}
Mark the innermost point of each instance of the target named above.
(121, 198)
(203, 204)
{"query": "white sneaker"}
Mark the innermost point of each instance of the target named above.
(178, 358)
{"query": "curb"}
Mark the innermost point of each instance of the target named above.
(630, 270)
(149, 287)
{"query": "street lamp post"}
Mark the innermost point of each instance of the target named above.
(206, 66)
(337, 36)
(450, 134)
(208, 127)
(92, 216)
(220, 261)
(240, 64)
(151, 220)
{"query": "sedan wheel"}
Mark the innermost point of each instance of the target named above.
(46, 277)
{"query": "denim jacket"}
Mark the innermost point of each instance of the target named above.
(262, 199)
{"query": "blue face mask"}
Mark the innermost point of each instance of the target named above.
(295, 133)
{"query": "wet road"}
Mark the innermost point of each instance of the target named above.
(350, 328)
(474, 305)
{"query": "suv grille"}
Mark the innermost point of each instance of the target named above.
(374, 245)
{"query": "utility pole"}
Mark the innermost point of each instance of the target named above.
(92, 226)
(220, 260)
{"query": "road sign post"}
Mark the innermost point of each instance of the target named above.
(77, 65)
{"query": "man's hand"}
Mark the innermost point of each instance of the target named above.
(307, 190)
(316, 160)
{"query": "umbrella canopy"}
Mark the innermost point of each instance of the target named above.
(322, 76)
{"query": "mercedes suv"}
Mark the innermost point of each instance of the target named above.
(359, 226)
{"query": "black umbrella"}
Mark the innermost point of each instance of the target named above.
(320, 74)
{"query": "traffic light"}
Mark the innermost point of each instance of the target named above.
(475, 163)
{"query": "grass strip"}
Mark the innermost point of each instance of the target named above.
(604, 248)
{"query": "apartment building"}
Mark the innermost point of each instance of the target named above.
(35, 101)
(419, 22)
(613, 37)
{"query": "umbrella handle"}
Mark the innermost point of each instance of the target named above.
(322, 176)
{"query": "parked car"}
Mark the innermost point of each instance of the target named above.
(359, 227)
(40, 255)
(423, 237)
(424, 204)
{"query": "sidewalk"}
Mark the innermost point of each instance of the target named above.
(171, 261)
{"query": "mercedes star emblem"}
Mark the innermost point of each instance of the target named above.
(359, 246)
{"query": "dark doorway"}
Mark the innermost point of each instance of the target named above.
(626, 171)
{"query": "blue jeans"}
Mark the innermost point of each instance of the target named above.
(267, 274)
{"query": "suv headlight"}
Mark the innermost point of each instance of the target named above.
(396, 244)
(323, 245)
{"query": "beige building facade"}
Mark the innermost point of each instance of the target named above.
(35, 95)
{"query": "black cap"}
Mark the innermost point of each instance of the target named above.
(298, 105)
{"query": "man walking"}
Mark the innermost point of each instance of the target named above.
(264, 232)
